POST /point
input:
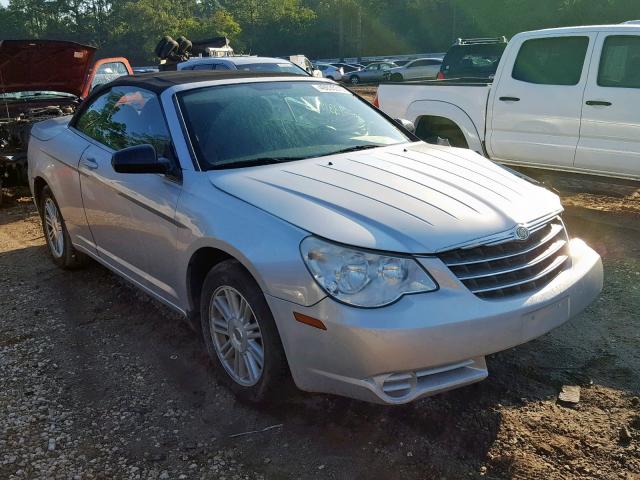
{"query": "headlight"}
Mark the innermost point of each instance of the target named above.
(362, 278)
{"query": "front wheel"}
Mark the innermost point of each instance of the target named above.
(56, 234)
(355, 80)
(396, 77)
(240, 334)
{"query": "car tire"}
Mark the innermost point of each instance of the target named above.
(397, 77)
(237, 324)
(354, 80)
(184, 46)
(56, 234)
(166, 47)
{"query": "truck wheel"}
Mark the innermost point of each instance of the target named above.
(56, 234)
(240, 334)
(355, 80)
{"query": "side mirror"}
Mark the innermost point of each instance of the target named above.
(406, 124)
(139, 159)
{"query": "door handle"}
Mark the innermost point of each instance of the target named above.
(600, 103)
(90, 163)
(509, 99)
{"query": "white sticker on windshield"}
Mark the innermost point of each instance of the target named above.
(329, 88)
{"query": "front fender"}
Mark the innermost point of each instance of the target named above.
(437, 108)
(267, 246)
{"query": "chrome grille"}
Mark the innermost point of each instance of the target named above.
(512, 267)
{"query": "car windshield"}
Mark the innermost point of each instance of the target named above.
(283, 67)
(17, 96)
(268, 122)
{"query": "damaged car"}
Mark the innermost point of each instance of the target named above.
(42, 79)
(306, 234)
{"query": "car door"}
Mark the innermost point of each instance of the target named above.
(610, 130)
(370, 73)
(131, 216)
(413, 70)
(536, 105)
(432, 68)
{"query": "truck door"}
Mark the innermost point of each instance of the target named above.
(536, 104)
(610, 133)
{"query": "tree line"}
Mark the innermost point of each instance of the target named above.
(316, 28)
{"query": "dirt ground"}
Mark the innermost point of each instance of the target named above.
(99, 381)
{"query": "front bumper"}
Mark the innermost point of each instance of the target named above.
(427, 343)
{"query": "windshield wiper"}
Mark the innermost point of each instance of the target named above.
(355, 148)
(254, 162)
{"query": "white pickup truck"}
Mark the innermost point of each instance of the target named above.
(563, 99)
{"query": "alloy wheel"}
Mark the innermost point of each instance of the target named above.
(236, 336)
(53, 228)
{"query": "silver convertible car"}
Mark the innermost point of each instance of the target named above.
(308, 235)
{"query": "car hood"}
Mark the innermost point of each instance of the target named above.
(413, 198)
(33, 65)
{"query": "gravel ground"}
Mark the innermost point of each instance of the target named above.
(97, 381)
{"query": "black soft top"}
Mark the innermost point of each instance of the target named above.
(158, 82)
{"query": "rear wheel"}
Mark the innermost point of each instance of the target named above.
(396, 77)
(56, 234)
(355, 80)
(240, 334)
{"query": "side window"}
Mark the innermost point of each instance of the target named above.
(124, 117)
(620, 62)
(203, 66)
(373, 67)
(551, 61)
(433, 62)
(222, 66)
(415, 64)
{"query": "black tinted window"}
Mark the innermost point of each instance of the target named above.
(620, 62)
(551, 61)
(478, 60)
(126, 116)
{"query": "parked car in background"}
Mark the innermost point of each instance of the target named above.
(41, 79)
(306, 233)
(348, 68)
(304, 63)
(374, 72)
(331, 72)
(562, 99)
(472, 58)
(248, 63)
(419, 69)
